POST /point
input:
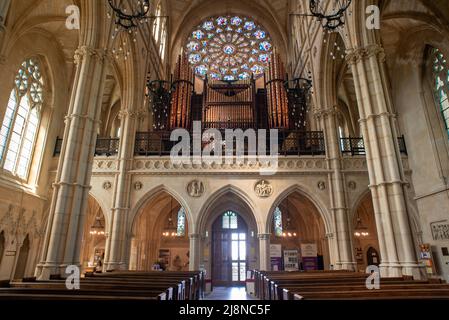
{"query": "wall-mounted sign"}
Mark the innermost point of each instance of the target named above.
(291, 261)
(309, 254)
(276, 257)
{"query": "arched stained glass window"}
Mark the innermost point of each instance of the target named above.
(441, 84)
(229, 48)
(278, 222)
(181, 226)
(230, 220)
(21, 120)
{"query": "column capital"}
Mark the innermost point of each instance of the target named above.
(264, 236)
(195, 236)
(329, 111)
(86, 51)
(356, 55)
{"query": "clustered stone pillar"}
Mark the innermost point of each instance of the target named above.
(344, 256)
(117, 253)
(71, 189)
(4, 7)
(387, 182)
(264, 251)
(194, 263)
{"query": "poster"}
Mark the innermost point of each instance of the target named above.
(291, 261)
(276, 257)
(309, 253)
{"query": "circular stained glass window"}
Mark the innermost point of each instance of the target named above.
(229, 48)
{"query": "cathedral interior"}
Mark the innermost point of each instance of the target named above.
(357, 106)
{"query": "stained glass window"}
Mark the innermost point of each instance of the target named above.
(181, 222)
(230, 220)
(441, 84)
(20, 124)
(229, 48)
(278, 222)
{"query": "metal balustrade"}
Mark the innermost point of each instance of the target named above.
(104, 147)
(356, 146)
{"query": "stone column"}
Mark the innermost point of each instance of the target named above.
(117, 254)
(71, 189)
(264, 251)
(4, 7)
(337, 190)
(387, 181)
(194, 263)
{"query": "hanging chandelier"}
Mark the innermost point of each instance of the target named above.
(298, 91)
(288, 231)
(331, 13)
(170, 229)
(97, 229)
(129, 13)
(360, 229)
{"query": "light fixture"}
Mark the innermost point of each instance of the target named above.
(129, 13)
(97, 229)
(360, 229)
(170, 229)
(288, 231)
(331, 14)
(298, 91)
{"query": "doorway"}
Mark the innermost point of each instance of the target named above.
(229, 250)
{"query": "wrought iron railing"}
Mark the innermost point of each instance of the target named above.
(289, 143)
(356, 146)
(104, 147)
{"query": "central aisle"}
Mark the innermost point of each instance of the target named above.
(229, 293)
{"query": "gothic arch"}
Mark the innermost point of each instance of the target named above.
(151, 195)
(207, 214)
(319, 206)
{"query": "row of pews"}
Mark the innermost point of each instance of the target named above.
(343, 285)
(127, 285)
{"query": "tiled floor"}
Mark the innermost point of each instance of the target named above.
(222, 293)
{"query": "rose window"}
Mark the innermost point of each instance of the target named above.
(229, 48)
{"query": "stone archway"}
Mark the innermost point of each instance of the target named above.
(364, 233)
(228, 199)
(93, 243)
(160, 235)
(296, 222)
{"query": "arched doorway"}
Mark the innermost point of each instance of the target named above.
(229, 250)
(365, 241)
(94, 238)
(298, 236)
(212, 227)
(160, 236)
(22, 259)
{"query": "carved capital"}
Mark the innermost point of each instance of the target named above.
(356, 55)
(85, 51)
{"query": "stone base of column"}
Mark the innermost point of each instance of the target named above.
(351, 266)
(390, 270)
(418, 272)
(48, 270)
(115, 266)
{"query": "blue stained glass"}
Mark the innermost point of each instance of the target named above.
(181, 230)
(236, 21)
(249, 25)
(194, 58)
(228, 49)
(239, 30)
(254, 51)
(278, 230)
(229, 78)
(219, 30)
(198, 34)
(265, 46)
(222, 21)
(259, 34)
(245, 67)
(229, 220)
(193, 46)
(264, 58)
(208, 25)
(202, 70)
(256, 69)
(244, 76)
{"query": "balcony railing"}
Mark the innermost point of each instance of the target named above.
(297, 143)
(356, 146)
(104, 147)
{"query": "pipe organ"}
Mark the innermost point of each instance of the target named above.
(181, 100)
(228, 105)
